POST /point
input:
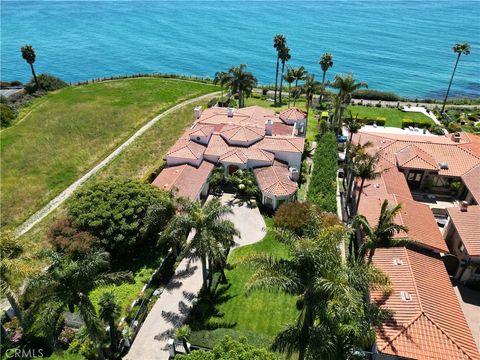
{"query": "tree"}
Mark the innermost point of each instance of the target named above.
(12, 268)
(241, 82)
(326, 62)
(365, 167)
(299, 73)
(285, 56)
(28, 54)
(381, 235)
(290, 78)
(221, 78)
(182, 334)
(109, 312)
(310, 87)
(346, 85)
(66, 238)
(66, 285)
(353, 126)
(229, 349)
(279, 41)
(117, 212)
(213, 233)
(338, 110)
(459, 49)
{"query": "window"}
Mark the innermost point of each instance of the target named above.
(461, 247)
(441, 181)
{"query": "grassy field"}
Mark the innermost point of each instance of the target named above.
(259, 316)
(393, 117)
(69, 131)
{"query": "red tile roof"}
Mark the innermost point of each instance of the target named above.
(413, 157)
(285, 144)
(244, 134)
(472, 180)
(186, 149)
(467, 224)
(292, 115)
(234, 156)
(186, 179)
(275, 180)
(430, 325)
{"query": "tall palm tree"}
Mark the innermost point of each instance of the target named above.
(353, 126)
(109, 312)
(66, 285)
(289, 77)
(326, 62)
(241, 82)
(355, 152)
(279, 42)
(28, 54)
(213, 233)
(299, 73)
(381, 235)
(339, 107)
(12, 268)
(310, 87)
(459, 49)
(285, 56)
(347, 85)
(365, 167)
(183, 333)
(221, 78)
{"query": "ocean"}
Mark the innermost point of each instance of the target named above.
(399, 46)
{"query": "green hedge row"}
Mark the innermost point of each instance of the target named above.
(407, 123)
(323, 184)
(379, 121)
(375, 95)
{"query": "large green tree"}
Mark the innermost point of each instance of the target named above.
(221, 78)
(28, 54)
(285, 56)
(279, 42)
(241, 82)
(311, 87)
(65, 286)
(326, 62)
(213, 233)
(109, 313)
(459, 49)
(365, 167)
(347, 85)
(299, 73)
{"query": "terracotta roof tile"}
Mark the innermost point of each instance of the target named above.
(467, 224)
(472, 180)
(234, 156)
(245, 134)
(275, 180)
(430, 325)
(292, 115)
(474, 143)
(186, 149)
(413, 157)
(286, 144)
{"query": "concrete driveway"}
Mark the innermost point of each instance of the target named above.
(172, 308)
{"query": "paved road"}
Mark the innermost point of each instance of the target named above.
(173, 306)
(54, 203)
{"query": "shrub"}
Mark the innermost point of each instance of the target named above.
(437, 130)
(375, 95)
(380, 121)
(45, 82)
(323, 188)
(66, 238)
(7, 115)
(298, 217)
(217, 178)
(212, 102)
(407, 123)
(244, 181)
(121, 213)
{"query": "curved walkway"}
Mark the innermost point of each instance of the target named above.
(173, 306)
(65, 194)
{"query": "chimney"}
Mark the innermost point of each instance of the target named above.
(293, 174)
(230, 111)
(198, 112)
(464, 206)
(268, 127)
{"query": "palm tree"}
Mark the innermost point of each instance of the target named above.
(381, 236)
(12, 268)
(279, 42)
(326, 62)
(183, 333)
(365, 167)
(28, 54)
(66, 285)
(299, 73)
(310, 87)
(459, 49)
(347, 85)
(290, 78)
(110, 312)
(241, 82)
(213, 233)
(221, 78)
(285, 56)
(338, 109)
(353, 125)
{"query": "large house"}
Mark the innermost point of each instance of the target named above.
(253, 138)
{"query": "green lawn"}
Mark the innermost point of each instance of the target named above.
(259, 316)
(393, 117)
(62, 135)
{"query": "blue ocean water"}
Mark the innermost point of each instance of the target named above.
(400, 46)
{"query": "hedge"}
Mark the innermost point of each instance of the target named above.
(407, 123)
(375, 95)
(380, 121)
(323, 184)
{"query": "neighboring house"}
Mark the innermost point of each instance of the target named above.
(462, 235)
(252, 138)
(427, 321)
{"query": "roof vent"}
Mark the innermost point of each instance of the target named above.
(198, 112)
(397, 261)
(405, 295)
(443, 165)
(230, 111)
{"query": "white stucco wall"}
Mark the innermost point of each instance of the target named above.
(172, 161)
(293, 159)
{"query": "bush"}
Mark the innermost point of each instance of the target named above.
(407, 123)
(244, 181)
(217, 178)
(66, 238)
(7, 115)
(298, 217)
(212, 102)
(45, 82)
(380, 121)
(121, 213)
(437, 130)
(323, 187)
(375, 95)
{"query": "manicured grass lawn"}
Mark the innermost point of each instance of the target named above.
(258, 316)
(393, 117)
(71, 130)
